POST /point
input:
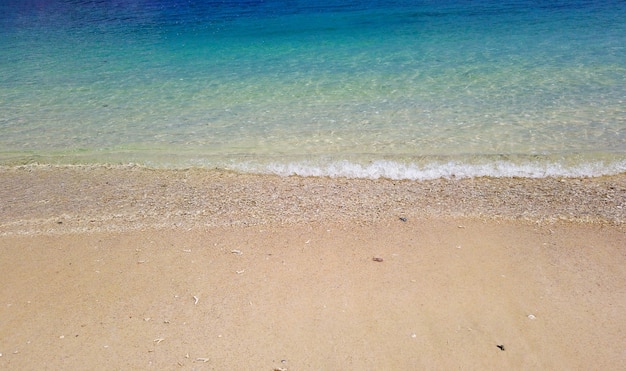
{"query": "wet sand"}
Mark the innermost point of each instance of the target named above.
(133, 268)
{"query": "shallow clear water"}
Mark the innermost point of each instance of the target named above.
(401, 89)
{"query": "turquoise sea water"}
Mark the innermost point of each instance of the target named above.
(399, 89)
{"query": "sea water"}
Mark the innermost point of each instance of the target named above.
(389, 88)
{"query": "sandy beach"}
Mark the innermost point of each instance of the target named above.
(134, 268)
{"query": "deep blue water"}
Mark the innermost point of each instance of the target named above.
(402, 89)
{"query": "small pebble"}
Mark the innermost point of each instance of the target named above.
(377, 259)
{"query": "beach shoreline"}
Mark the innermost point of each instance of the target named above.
(128, 267)
(59, 199)
(389, 185)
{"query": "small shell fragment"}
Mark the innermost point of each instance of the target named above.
(377, 259)
(531, 316)
(236, 252)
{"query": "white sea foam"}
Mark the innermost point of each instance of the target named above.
(435, 170)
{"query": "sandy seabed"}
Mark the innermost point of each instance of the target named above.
(125, 267)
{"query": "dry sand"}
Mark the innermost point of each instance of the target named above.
(132, 268)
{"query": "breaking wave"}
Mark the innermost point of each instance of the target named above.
(435, 170)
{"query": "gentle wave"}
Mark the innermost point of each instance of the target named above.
(375, 169)
(354, 166)
(451, 169)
